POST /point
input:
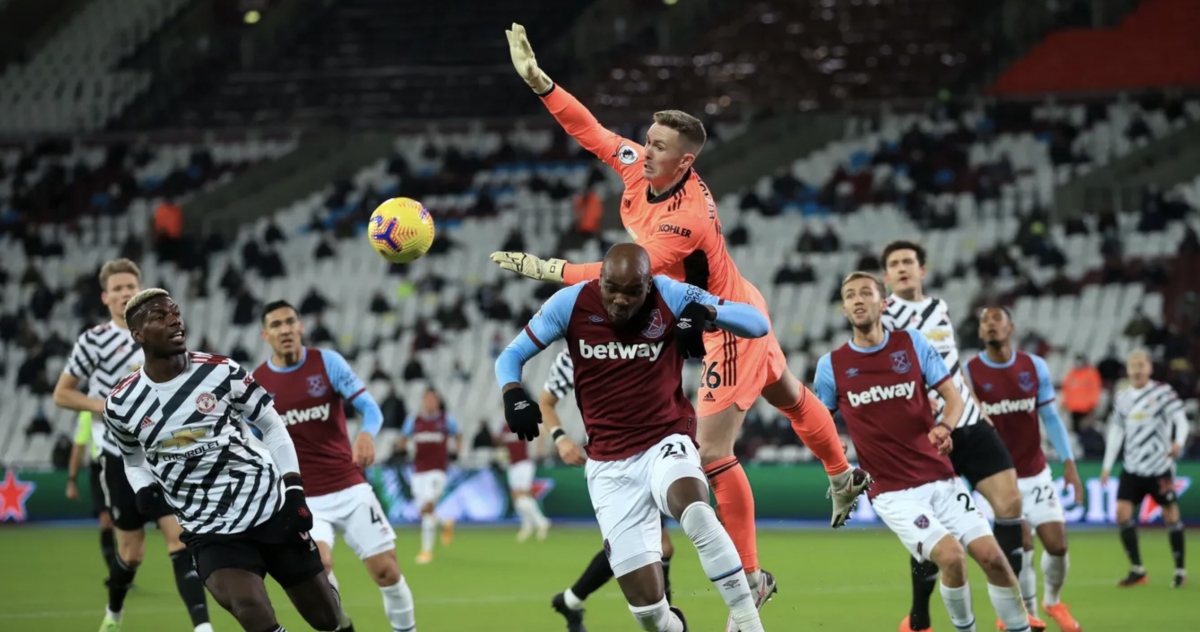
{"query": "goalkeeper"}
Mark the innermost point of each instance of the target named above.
(668, 210)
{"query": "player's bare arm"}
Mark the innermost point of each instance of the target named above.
(939, 436)
(569, 451)
(67, 395)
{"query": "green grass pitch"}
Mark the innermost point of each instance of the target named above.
(852, 580)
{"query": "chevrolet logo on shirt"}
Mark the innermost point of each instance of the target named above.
(937, 335)
(184, 438)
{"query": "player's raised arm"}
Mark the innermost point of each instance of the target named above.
(666, 247)
(623, 155)
(549, 324)
(703, 308)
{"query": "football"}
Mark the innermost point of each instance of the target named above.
(401, 230)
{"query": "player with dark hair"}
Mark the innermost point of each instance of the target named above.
(569, 603)
(102, 356)
(1014, 388)
(431, 430)
(879, 381)
(1149, 420)
(629, 334)
(180, 423)
(979, 455)
(669, 211)
(310, 387)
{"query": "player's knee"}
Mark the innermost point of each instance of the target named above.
(250, 609)
(948, 555)
(327, 562)
(993, 561)
(132, 555)
(1007, 504)
(386, 576)
(1057, 549)
(325, 619)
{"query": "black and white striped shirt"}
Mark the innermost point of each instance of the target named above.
(1147, 421)
(196, 445)
(561, 379)
(931, 316)
(101, 357)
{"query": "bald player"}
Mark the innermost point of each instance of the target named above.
(629, 334)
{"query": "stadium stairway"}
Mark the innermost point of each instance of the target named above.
(1164, 161)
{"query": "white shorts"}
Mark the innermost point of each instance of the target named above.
(922, 516)
(355, 513)
(630, 496)
(520, 476)
(1040, 499)
(427, 487)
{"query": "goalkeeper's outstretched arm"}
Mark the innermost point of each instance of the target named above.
(622, 154)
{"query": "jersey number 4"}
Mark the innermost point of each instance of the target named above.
(375, 517)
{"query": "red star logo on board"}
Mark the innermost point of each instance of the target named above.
(541, 487)
(13, 494)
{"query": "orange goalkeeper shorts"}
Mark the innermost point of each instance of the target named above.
(736, 370)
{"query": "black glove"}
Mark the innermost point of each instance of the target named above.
(151, 502)
(295, 510)
(689, 330)
(522, 414)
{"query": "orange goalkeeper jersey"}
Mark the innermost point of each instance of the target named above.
(679, 227)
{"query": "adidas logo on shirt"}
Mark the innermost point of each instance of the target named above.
(877, 394)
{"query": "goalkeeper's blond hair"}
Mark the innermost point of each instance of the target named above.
(690, 129)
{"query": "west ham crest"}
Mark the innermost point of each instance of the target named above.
(317, 386)
(900, 361)
(656, 327)
(922, 522)
(1025, 381)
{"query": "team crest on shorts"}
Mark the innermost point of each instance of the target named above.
(607, 548)
(206, 403)
(657, 327)
(922, 522)
(1025, 381)
(316, 386)
(900, 361)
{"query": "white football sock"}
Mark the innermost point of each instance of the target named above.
(536, 517)
(522, 510)
(398, 606)
(203, 627)
(115, 616)
(1028, 580)
(1009, 608)
(755, 578)
(1054, 574)
(657, 618)
(958, 604)
(571, 600)
(429, 525)
(720, 561)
